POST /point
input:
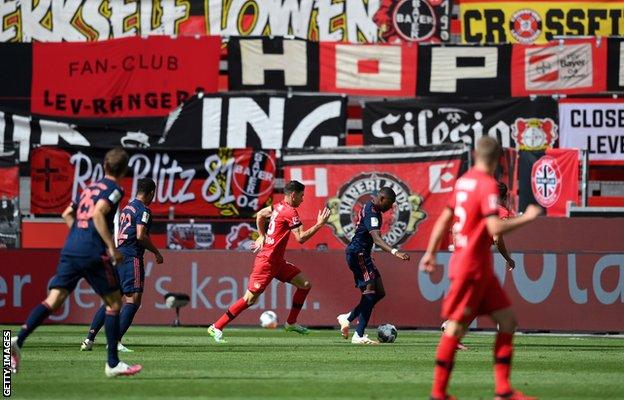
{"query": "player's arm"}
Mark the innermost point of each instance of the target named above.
(302, 236)
(440, 229)
(262, 221)
(497, 226)
(144, 238)
(102, 208)
(502, 249)
(69, 215)
(378, 240)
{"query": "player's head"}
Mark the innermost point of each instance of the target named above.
(293, 193)
(385, 199)
(502, 192)
(487, 153)
(116, 162)
(146, 188)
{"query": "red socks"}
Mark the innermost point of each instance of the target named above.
(503, 350)
(232, 312)
(297, 303)
(444, 365)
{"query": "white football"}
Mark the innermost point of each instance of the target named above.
(268, 320)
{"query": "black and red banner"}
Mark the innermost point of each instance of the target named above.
(9, 172)
(615, 65)
(124, 77)
(344, 179)
(549, 178)
(209, 183)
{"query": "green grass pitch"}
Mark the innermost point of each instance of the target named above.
(183, 363)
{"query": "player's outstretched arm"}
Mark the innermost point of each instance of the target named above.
(302, 236)
(502, 249)
(497, 226)
(378, 240)
(144, 238)
(262, 218)
(99, 221)
(69, 216)
(441, 227)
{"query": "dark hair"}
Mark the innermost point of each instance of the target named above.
(502, 190)
(145, 186)
(294, 187)
(116, 162)
(387, 192)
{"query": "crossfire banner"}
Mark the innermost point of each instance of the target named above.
(570, 67)
(222, 182)
(595, 125)
(259, 121)
(521, 123)
(121, 78)
(549, 178)
(528, 22)
(345, 179)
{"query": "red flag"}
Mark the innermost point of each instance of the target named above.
(554, 180)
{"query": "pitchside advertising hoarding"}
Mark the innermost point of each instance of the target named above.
(594, 125)
(549, 291)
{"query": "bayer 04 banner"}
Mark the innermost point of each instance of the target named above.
(345, 179)
(518, 123)
(208, 183)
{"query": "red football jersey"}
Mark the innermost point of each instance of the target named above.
(504, 212)
(474, 199)
(283, 219)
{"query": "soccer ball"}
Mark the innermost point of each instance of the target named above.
(387, 333)
(268, 320)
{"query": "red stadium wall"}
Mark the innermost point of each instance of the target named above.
(566, 290)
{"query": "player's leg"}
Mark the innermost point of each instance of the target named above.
(367, 302)
(96, 324)
(216, 330)
(131, 281)
(132, 303)
(291, 274)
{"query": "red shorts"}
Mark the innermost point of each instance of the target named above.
(265, 270)
(468, 298)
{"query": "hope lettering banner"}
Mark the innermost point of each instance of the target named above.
(222, 182)
(130, 77)
(571, 67)
(521, 123)
(529, 22)
(345, 179)
(595, 125)
(584, 284)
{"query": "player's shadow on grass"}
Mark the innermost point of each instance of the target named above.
(573, 346)
(219, 377)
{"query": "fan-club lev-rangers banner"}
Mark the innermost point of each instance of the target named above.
(595, 125)
(549, 178)
(522, 123)
(345, 179)
(124, 77)
(222, 182)
(528, 22)
(568, 67)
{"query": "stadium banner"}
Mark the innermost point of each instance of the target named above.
(374, 70)
(521, 123)
(345, 179)
(9, 172)
(456, 70)
(549, 178)
(583, 284)
(569, 67)
(595, 125)
(615, 65)
(529, 22)
(130, 77)
(210, 183)
(259, 121)
(272, 63)
(15, 75)
(30, 130)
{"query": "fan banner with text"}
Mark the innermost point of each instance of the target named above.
(345, 179)
(207, 183)
(584, 284)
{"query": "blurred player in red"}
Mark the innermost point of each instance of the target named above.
(274, 226)
(474, 289)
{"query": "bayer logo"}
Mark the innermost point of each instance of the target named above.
(415, 20)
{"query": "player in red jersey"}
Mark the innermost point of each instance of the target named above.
(474, 289)
(274, 226)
